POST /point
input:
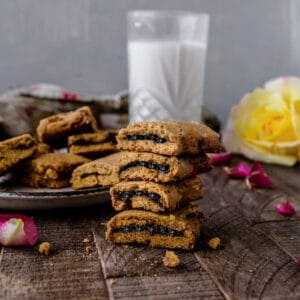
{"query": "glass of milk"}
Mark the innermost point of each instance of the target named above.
(166, 62)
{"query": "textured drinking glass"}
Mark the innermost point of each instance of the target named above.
(166, 62)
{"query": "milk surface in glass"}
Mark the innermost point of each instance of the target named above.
(166, 80)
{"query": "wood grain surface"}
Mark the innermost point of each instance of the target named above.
(256, 259)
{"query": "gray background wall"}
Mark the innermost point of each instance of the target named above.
(81, 44)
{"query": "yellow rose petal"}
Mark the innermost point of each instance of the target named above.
(260, 154)
(295, 114)
(287, 87)
(261, 115)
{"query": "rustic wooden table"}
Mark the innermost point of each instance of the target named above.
(256, 260)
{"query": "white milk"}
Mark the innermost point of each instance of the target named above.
(166, 80)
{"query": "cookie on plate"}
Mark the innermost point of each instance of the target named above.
(93, 145)
(15, 150)
(160, 168)
(51, 170)
(177, 230)
(155, 197)
(42, 148)
(169, 138)
(99, 172)
(54, 130)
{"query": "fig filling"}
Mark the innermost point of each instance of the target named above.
(84, 175)
(152, 229)
(22, 146)
(127, 195)
(146, 137)
(162, 168)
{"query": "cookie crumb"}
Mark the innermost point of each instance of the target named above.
(88, 249)
(86, 240)
(45, 248)
(171, 260)
(214, 243)
(112, 281)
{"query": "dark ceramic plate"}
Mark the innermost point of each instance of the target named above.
(24, 198)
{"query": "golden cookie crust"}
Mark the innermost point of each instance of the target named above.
(180, 229)
(177, 168)
(93, 145)
(42, 148)
(15, 150)
(52, 170)
(169, 138)
(156, 197)
(99, 172)
(55, 129)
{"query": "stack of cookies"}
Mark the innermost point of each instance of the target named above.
(54, 169)
(158, 181)
(40, 162)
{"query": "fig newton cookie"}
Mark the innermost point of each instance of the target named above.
(51, 170)
(153, 196)
(55, 129)
(15, 150)
(177, 230)
(160, 168)
(93, 145)
(169, 138)
(99, 172)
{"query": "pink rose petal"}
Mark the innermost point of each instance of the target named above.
(69, 96)
(286, 209)
(258, 177)
(220, 158)
(17, 230)
(240, 171)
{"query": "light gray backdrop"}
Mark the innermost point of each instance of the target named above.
(81, 44)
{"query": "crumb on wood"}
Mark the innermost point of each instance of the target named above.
(45, 248)
(112, 281)
(171, 260)
(88, 249)
(214, 243)
(86, 240)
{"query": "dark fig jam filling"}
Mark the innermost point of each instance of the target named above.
(146, 137)
(127, 195)
(162, 168)
(152, 229)
(22, 146)
(84, 175)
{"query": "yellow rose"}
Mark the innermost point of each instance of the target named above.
(265, 125)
